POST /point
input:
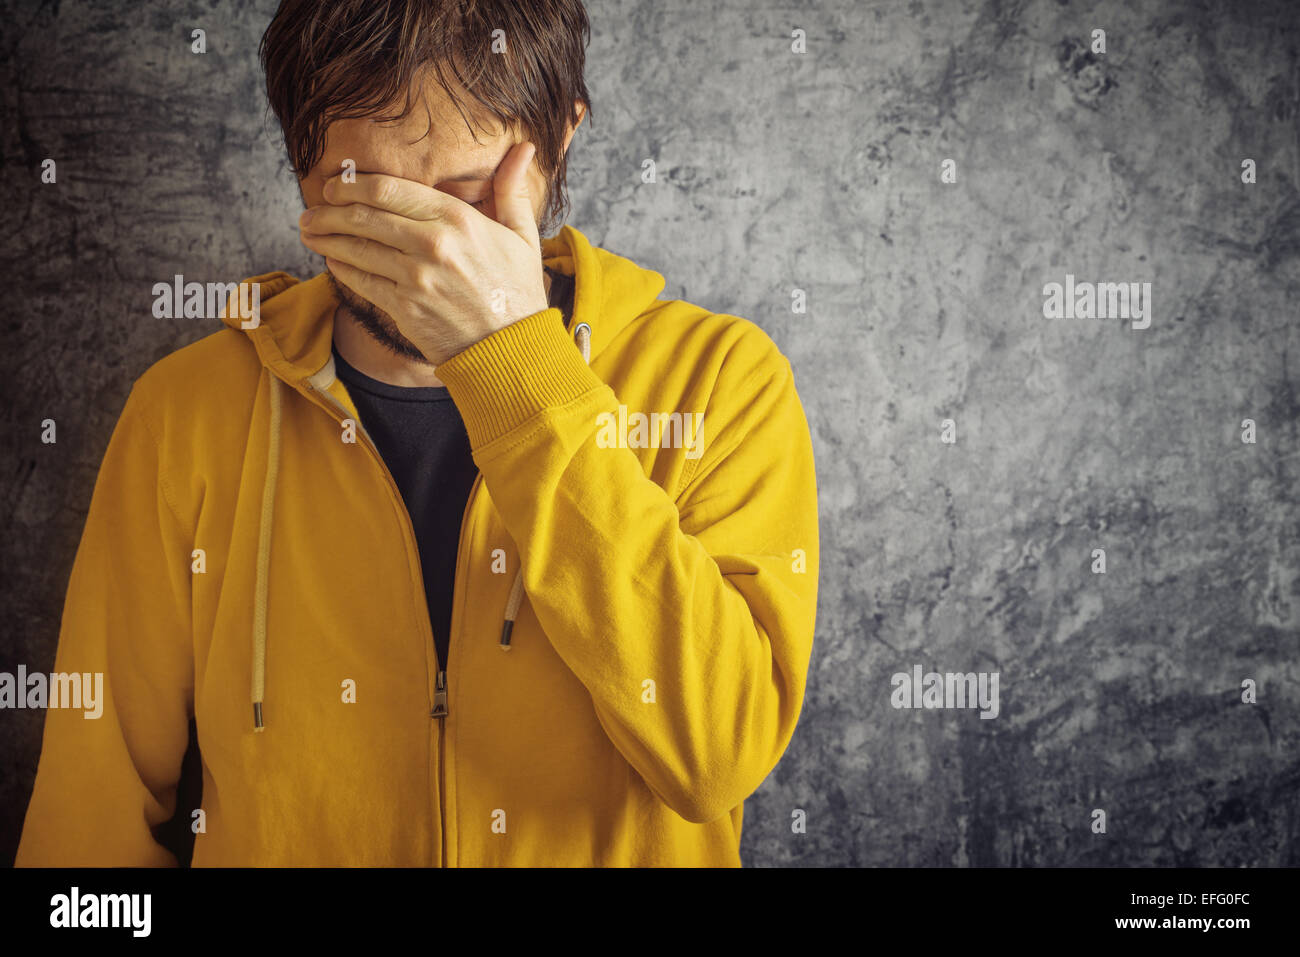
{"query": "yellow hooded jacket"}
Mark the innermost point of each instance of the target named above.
(632, 620)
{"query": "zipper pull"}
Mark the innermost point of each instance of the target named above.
(440, 696)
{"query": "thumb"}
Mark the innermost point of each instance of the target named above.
(514, 200)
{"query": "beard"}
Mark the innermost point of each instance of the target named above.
(378, 324)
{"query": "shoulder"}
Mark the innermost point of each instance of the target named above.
(206, 387)
(719, 348)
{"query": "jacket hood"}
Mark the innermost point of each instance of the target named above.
(296, 323)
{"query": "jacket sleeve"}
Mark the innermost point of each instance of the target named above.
(705, 594)
(103, 783)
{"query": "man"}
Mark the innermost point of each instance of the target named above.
(467, 551)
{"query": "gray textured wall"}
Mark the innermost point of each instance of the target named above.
(820, 172)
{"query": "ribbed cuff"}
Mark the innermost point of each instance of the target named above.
(504, 380)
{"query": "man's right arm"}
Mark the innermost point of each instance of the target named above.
(104, 783)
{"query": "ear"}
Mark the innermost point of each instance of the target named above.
(581, 109)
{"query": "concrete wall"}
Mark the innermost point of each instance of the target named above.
(821, 171)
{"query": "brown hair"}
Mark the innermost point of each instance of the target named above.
(328, 60)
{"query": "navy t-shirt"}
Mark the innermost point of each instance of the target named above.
(422, 440)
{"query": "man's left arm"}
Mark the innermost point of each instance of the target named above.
(711, 595)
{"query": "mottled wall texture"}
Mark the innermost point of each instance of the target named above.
(973, 453)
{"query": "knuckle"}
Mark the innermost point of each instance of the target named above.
(423, 281)
(430, 243)
(457, 218)
(385, 192)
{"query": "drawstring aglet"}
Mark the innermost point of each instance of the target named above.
(512, 609)
(257, 716)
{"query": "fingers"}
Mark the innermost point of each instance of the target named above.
(402, 197)
(398, 233)
(374, 289)
(364, 254)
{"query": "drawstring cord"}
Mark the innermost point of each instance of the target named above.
(582, 336)
(260, 600)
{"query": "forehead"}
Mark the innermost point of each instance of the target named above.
(431, 144)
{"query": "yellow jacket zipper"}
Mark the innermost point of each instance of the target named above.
(441, 695)
(442, 692)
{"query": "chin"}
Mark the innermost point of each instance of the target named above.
(378, 324)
